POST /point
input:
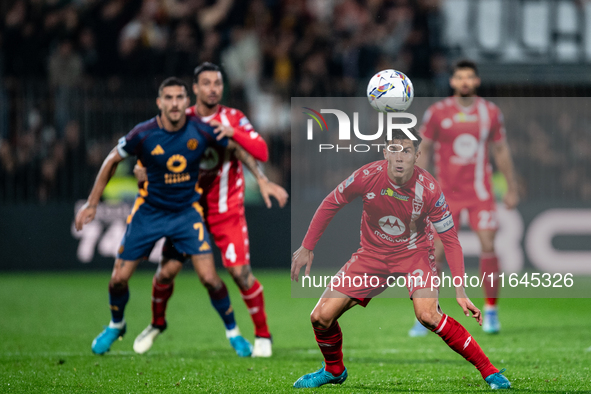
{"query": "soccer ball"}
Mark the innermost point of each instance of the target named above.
(390, 91)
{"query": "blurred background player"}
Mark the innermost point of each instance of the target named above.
(396, 237)
(222, 180)
(461, 129)
(171, 147)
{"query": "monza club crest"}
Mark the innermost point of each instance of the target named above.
(417, 206)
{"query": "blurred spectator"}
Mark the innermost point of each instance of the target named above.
(270, 50)
(65, 75)
(183, 54)
(143, 41)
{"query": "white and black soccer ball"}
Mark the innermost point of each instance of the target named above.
(390, 91)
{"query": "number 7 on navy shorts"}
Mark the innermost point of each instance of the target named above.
(147, 224)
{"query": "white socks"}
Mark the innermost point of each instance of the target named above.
(118, 326)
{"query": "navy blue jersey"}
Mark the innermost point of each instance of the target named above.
(171, 159)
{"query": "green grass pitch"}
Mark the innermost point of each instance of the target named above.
(47, 322)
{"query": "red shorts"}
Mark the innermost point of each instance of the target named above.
(482, 214)
(230, 234)
(368, 274)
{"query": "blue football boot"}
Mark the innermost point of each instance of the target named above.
(242, 347)
(102, 343)
(418, 330)
(491, 324)
(497, 381)
(319, 378)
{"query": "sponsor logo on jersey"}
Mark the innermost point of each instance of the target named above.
(370, 195)
(243, 121)
(388, 238)
(192, 144)
(350, 180)
(157, 150)
(393, 193)
(441, 201)
(392, 225)
(461, 117)
(465, 146)
(210, 159)
(176, 163)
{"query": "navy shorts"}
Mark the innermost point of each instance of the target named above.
(147, 224)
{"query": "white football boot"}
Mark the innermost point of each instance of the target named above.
(262, 347)
(146, 339)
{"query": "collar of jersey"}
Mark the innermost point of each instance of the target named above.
(465, 109)
(159, 122)
(409, 182)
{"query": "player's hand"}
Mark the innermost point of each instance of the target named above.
(467, 305)
(140, 173)
(221, 130)
(85, 215)
(511, 199)
(271, 189)
(301, 257)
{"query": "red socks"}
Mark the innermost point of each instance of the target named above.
(489, 263)
(460, 340)
(330, 342)
(160, 295)
(255, 302)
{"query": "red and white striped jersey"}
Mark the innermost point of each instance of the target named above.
(396, 218)
(461, 137)
(221, 176)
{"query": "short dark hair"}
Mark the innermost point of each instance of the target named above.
(464, 63)
(205, 66)
(173, 81)
(398, 134)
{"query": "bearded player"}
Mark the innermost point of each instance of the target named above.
(222, 180)
(460, 130)
(401, 205)
(171, 146)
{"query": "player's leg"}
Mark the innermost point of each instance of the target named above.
(162, 288)
(118, 297)
(419, 330)
(483, 219)
(192, 238)
(253, 296)
(230, 234)
(220, 299)
(328, 335)
(428, 312)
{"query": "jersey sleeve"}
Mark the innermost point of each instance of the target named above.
(442, 221)
(497, 129)
(249, 139)
(428, 129)
(130, 144)
(207, 130)
(344, 193)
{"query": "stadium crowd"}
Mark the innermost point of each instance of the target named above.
(67, 65)
(270, 50)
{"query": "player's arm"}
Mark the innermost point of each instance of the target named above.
(86, 214)
(245, 136)
(442, 220)
(504, 162)
(268, 189)
(343, 194)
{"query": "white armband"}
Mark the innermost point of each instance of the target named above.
(444, 224)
